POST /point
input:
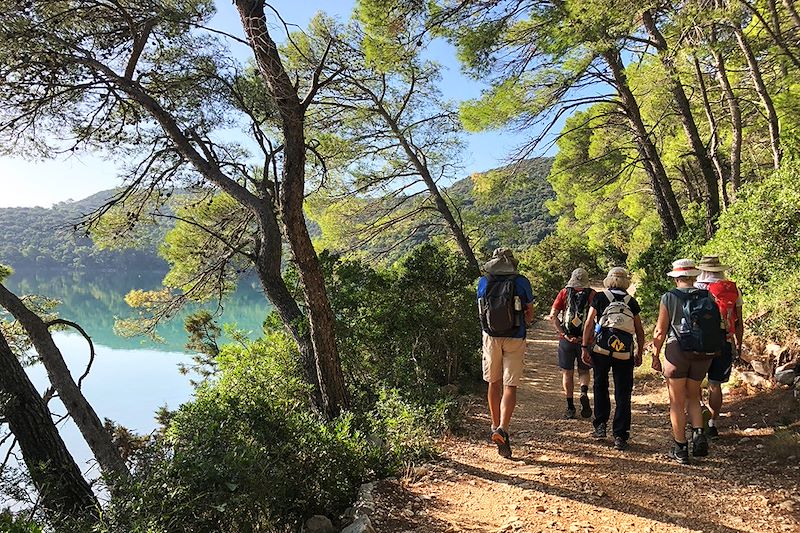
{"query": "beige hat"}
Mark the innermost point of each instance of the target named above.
(617, 278)
(683, 267)
(710, 263)
(502, 262)
(579, 279)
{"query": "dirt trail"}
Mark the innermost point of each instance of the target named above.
(561, 480)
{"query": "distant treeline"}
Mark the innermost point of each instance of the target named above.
(44, 238)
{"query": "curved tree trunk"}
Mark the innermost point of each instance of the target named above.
(735, 112)
(669, 211)
(292, 113)
(763, 94)
(81, 411)
(711, 196)
(441, 205)
(62, 489)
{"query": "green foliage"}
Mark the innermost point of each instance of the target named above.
(654, 262)
(758, 235)
(246, 454)
(548, 265)
(410, 327)
(35, 237)
(5, 271)
(10, 523)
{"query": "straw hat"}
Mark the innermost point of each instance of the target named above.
(617, 278)
(502, 262)
(710, 263)
(579, 279)
(683, 268)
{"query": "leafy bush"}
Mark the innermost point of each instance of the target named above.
(548, 265)
(411, 327)
(758, 235)
(245, 454)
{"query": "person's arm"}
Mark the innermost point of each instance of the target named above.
(588, 336)
(529, 314)
(659, 335)
(637, 324)
(739, 332)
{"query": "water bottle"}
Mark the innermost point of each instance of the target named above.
(517, 303)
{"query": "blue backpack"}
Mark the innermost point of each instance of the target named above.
(701, 330)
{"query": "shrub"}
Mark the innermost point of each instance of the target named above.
(758, 235)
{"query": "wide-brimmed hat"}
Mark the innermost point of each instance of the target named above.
(502, 262)
(683, 267)
(617, 278)
(579, 279)
(710, 263)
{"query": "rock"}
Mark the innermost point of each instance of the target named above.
(540, 508)
(407, 513)
(788, 505)
(763, 368)
(318, 524)
(752, 378)
(773, 350)
(785, 374)
(361, 525)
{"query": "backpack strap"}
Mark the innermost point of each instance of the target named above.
(609, 295)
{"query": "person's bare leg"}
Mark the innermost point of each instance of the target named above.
(494, 397)
(677, 407)
(715, 399)
(693, 392)
(568, 382)
(507, 406)
(583, 377)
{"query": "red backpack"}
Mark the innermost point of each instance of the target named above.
(726, 295)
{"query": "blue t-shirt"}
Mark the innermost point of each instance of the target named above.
(522, 289)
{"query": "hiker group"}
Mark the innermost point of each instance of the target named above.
(699, 326)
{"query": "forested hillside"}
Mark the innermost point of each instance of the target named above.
(37, 237)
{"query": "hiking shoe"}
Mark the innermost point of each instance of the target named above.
(679, 454)
(500, 437)
(599, 431)
(620, 443)
(699, 445)
(586, 410)
(570, 414)
(712, 433)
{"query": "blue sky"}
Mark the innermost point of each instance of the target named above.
(43, 183)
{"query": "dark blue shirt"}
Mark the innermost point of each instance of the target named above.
(522, 289)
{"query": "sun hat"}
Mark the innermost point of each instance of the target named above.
(579, 279)
(502, 262)
(617, 278)
(683, 267)
(710, 263)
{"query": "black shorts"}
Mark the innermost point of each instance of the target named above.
(568, 353)
(720, 369)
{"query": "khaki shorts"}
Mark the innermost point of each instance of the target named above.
(503, 358)
(680, 365)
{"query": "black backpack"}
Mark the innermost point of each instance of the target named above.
(496, 307)
(573, 317)
(701, 330)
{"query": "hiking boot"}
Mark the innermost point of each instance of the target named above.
(500, 437)
(620, 443)
(599, 431)
(712, 433)
(586, 410)
(699, 445)
(679, 454)
(570, 414)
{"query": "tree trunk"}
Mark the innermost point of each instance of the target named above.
(81, 411)
(789, 5)
(735, 112)
(669, 211)
(62, 489)
(711, 196)
(774, 32)
(712, 125)
(268, 267)
(441, 205)
(761, 89)
(292, 113)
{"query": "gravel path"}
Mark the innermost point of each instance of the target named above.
(561, 480)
